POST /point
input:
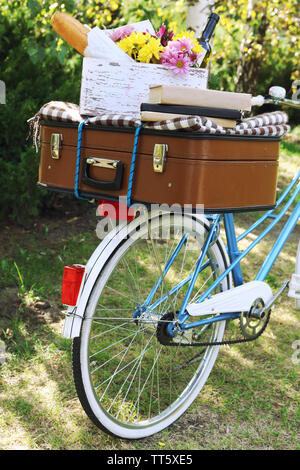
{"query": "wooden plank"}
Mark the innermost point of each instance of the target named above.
(114, 88)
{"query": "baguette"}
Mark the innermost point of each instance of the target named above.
(71, 30)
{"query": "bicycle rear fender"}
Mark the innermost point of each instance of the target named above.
(74, 315)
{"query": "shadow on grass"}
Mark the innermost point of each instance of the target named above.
(38, 392)
(252, 385)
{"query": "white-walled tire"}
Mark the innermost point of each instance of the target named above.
(128, 382)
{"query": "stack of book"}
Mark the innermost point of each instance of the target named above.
(168, 102)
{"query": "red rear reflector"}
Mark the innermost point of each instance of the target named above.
(71, 283)
(115, 210)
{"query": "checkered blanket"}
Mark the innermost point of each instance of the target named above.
(269, 124)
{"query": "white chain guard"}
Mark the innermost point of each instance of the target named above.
(237, 299)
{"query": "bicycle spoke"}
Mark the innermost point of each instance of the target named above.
(135, 379)
(110, 330)
(137, 369)
(122, 294)
(118, 370)
(153, 366)
(130, 283)
(115, 343)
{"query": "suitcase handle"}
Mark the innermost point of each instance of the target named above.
(103, 163)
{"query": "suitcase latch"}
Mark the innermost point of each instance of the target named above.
(159, 157)
(102, 162)
(56, 141)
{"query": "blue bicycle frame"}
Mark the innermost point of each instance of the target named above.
(235, 256)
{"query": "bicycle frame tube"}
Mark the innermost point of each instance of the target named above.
(177, 287)
(234, 254)
(191, 278)
(233, 250)
(270, 212)
(277, 247)
(167, 267)
(207, 242)
(286, 232)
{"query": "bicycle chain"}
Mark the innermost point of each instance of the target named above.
(162, 325)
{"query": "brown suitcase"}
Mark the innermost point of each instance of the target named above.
(224, 173)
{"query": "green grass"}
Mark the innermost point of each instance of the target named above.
(251, 399)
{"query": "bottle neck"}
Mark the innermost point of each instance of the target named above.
(209, 28)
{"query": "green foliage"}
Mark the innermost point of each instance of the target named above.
(170, 12)
(20, 197)
(266, 35)
(37, 66)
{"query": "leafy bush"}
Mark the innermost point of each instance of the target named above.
(37, 67)
(21, 199)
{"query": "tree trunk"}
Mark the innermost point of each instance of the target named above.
(197, 15)
(249, 66)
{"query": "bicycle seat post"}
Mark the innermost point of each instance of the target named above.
(233, 250)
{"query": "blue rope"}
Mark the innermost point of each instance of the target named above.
(132, 166)
(76, 184)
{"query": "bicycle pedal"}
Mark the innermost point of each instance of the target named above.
(271, 302)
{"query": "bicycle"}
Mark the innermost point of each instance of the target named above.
(140, 358)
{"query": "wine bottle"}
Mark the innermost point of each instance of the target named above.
(205, 38)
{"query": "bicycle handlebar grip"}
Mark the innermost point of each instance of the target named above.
(277, 92)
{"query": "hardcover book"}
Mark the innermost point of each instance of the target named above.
(192, 110)
(199, 97)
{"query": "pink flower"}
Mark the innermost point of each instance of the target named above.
(194, 57)
(121, 33)
(161, 31)
(176, 60)
(183, 44)
(164, 35)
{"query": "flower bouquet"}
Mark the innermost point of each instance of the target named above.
(177, 52)
(120, 65)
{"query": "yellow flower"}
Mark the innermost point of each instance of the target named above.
(114, 6)
(145, 54)
(126, 45)
(197, 48)
(150, 51)
(155, 47)
(141, 47)
(139, 38)
(173, 26)
(185, 34)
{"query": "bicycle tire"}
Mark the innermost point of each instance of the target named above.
(134, 417)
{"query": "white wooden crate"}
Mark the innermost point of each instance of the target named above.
(120, 88)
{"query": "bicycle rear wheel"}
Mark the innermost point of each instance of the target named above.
(129, 383)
